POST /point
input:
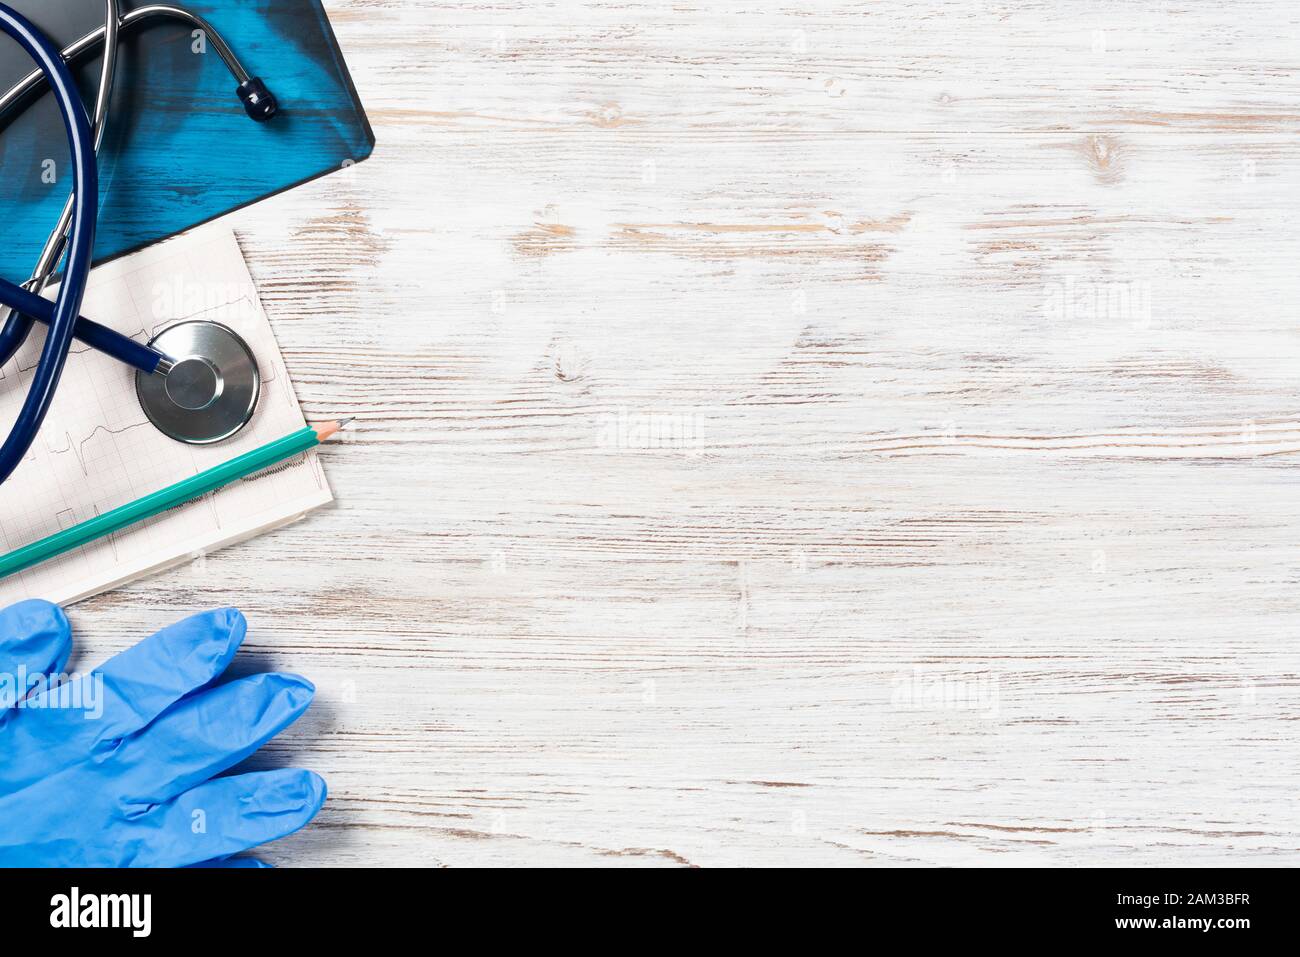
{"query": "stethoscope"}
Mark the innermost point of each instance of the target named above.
(198, 382)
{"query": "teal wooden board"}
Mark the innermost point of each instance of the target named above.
(180, 150)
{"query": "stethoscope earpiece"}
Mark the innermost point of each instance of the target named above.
(259, 102)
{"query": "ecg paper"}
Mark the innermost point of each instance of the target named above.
(97, 450)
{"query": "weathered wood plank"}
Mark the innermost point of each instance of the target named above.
(845, 433)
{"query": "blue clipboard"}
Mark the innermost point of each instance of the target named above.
(179, 149)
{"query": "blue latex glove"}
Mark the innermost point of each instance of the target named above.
(136, 785)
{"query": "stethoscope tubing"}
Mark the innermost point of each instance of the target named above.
(133, 19)
(99, 337)
(18, 326)
(73, 239)
(81, 244)
(21, 307)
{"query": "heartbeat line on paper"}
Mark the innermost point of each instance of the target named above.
(78, 447)
(98, 452)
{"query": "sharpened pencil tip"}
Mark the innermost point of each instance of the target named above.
(330, 429)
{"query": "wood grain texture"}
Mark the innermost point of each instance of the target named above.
(839, 433)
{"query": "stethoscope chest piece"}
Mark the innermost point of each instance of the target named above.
(211, 390)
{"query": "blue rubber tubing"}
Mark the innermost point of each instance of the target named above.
(76, 273)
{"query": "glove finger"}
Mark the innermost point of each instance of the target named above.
(204, 735)
(144, 681)
(224, 817)
(123, 696)
(35, 640)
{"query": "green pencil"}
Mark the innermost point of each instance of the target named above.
(151, 505)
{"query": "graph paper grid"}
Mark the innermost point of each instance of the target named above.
(97, 450)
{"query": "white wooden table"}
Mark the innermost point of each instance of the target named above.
(826, 433)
